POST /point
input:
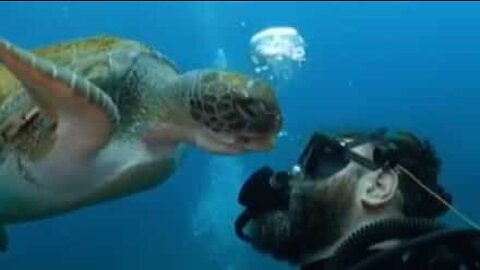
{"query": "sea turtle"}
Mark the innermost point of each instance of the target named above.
(100, 118)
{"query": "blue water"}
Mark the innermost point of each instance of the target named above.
(401, 65)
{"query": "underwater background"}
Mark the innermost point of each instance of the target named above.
(400, 65)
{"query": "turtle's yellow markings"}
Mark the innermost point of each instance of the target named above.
(74, 55)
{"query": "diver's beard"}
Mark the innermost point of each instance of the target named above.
(271, 233)
(313, 222)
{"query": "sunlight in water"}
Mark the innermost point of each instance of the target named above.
(220, 59)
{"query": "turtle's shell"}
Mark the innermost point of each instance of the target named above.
(25, 138)
(99, 59)
(82, 56)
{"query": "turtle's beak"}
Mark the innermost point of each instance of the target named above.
(264, 145)
(258, 143)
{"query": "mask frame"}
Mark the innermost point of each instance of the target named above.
(324, 156)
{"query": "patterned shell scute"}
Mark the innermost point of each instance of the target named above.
(78, 55)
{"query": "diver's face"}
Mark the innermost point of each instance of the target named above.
(319, 210)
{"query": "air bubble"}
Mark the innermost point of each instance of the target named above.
(277, 52)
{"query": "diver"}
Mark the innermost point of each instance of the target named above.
(357, 201)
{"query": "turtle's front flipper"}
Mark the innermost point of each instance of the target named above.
(85, 115)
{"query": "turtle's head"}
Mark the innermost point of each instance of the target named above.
(233, 113)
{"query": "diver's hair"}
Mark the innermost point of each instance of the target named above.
(420, 158)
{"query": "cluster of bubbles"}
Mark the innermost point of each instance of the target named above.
(217, 208)
(277, 52)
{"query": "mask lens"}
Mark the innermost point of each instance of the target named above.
(323, 158)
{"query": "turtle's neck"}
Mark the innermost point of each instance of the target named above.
(151, 92)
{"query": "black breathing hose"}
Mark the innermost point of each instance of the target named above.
(356, 245)
(240, 223)
(431, 239)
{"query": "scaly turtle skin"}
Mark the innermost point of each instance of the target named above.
(89, 121)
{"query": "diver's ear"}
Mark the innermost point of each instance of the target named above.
(378, 189)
